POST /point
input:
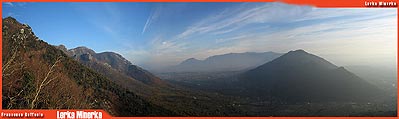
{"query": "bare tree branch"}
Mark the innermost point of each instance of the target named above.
(45, 82)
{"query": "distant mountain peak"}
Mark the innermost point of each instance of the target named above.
(298, 51)
(297, 74)
(63, 48)
(190, 61)
(300, 58)
(81, 50)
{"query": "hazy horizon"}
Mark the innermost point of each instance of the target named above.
(155, 35)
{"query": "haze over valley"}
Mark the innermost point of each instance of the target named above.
(200, 59)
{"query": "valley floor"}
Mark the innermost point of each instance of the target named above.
(216, 83)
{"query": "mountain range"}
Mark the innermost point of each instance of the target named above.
(114, 61)
(145, 84)
(224, 62)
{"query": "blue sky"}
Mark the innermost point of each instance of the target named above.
(155, 35)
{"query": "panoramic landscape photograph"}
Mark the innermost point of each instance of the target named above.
(233, 59)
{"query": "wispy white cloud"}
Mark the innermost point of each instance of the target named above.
(108, 21)
(149, 19)
(163, 52)
(13, 9)
(9, 4)
(162, 46)
(15, 4)
(229, 39)
(231, 20)
(152, 17)
(326, 13)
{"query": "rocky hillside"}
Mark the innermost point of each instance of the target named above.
(114, 61)
(37, 75)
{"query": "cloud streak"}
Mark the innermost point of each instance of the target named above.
(152, 17)
(9, 4)
(231, 20)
